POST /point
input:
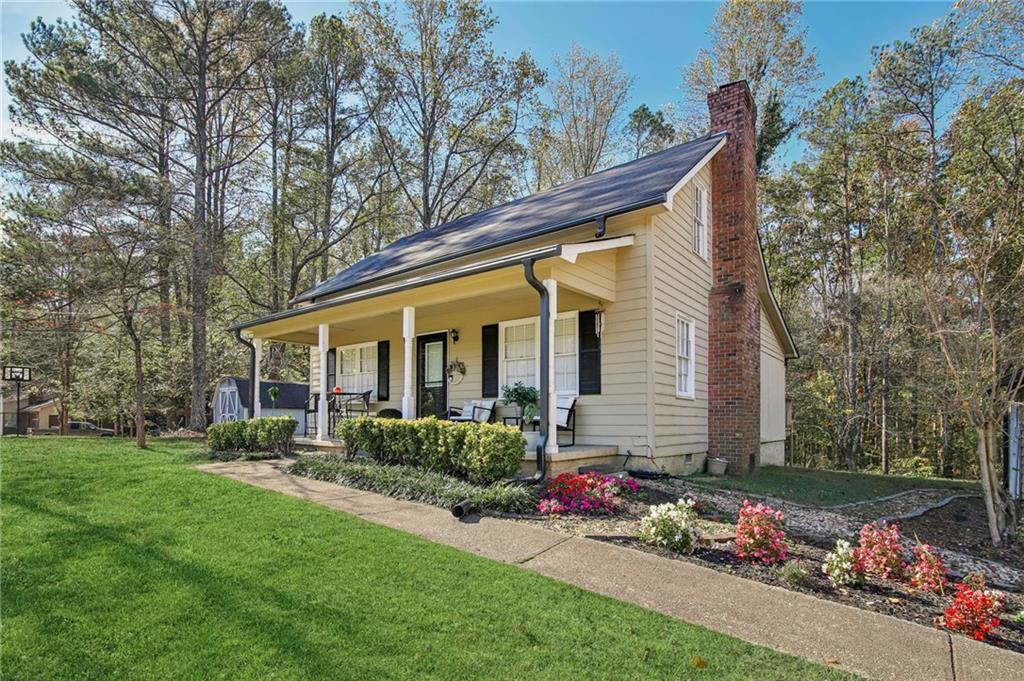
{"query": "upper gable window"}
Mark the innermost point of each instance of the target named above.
(700, 220)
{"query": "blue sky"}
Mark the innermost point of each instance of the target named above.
(653, 40)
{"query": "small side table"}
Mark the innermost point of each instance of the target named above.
(513, 421)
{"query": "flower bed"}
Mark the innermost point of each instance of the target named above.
(912, 587)
(586, 493)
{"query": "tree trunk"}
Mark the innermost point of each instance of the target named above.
(65, 386)
(994, 506)
(140, 387)
(200, 259)
(163, 258)
(946, 450)
(885, 424)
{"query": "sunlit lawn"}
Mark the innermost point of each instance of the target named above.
(121, 563)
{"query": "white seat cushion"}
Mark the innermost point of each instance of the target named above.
(484, 410)
(465, 413)
(563, 404)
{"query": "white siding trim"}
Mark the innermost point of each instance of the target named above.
(671, 194)
(701, 219)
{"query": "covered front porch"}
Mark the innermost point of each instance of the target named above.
(453, 338)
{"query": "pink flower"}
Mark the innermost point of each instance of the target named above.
(759, 534)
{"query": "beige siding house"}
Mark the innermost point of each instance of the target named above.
(34, 417)
(652, 280)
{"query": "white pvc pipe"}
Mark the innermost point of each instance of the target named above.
(321, 412)
(409, 335)
(257, 408)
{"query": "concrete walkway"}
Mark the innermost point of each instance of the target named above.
(830, 633)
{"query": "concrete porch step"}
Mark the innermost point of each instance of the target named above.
(310, 444)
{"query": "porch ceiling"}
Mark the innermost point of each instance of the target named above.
(585, 275)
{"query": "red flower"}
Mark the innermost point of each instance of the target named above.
(974, 609)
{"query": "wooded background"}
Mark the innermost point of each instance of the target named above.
(181, 165)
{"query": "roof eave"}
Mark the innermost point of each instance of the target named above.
(396, 287)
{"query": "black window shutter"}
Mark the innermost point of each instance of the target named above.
(383, 370)
(332, 369)
(489, 337)
(590, 354)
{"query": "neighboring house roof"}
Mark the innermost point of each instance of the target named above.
(26, 405)
(39, 405)
(292, 395)
(631, 186)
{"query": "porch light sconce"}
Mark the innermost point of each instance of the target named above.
(599, 322)
(455, 335)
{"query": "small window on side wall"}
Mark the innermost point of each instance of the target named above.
(700, 220)
(684, 357)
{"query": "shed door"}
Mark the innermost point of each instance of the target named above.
(227, 404)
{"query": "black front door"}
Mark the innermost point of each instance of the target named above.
(431, 382)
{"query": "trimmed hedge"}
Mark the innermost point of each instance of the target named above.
(479, 452)
(267, 434)
(415, 484)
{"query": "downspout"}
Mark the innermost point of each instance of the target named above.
(545, 343)
(252, 369)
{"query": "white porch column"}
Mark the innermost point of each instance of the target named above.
(321, 411)
(257, 373)
(409, 334)
(552, 442)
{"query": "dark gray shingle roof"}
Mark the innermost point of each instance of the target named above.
(629, 186)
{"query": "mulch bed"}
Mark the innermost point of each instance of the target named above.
(962, 525)
(952, 525)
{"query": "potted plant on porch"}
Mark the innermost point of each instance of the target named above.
(525, 397)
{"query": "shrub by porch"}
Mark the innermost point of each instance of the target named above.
(271, 434)
(482, 453)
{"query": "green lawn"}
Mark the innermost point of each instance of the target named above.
(121, 563)
(827, 488)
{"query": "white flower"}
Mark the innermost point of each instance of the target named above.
(672, 526)
(840, 566)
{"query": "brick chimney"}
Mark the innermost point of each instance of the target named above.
(734, 371)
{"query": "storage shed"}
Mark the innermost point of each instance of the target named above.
(231, 400)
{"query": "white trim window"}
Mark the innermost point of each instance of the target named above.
(700, 220)
(357, 368)
(519, 352)
(685, 357)
(567, 356)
